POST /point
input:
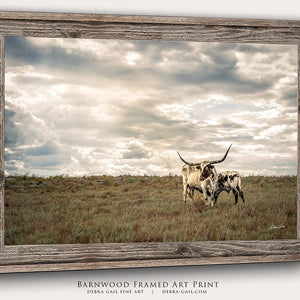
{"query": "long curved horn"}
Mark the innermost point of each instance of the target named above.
(212, 161)
(220, 160)
(186, 162)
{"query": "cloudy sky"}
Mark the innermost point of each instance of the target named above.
(82, 107)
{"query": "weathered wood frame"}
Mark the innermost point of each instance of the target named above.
(30, 258)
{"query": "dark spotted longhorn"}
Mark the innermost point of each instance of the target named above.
(229, 181)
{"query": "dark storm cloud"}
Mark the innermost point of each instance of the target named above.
(149, 124)
(29, 141)
(221, 72)
(90, 69)
(135, 152)
(19, 50)
(225, 123)
(49, 148)
(58, 60)
(46, 161)
(220, 80)
(259, 48)
(20, 127)
(289, 95)
(219, 69)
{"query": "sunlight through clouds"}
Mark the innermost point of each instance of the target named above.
(83, 107)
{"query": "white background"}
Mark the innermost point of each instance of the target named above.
(271, 281)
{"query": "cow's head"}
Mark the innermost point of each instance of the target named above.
(205, 167)
(206, 170)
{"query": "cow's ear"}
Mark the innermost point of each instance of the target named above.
(226, 177)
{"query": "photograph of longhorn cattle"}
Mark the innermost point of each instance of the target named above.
(202, 176)
(112, 141)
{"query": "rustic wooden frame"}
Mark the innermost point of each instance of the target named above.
(128, 255)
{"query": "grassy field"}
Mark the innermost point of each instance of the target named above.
(103, 209)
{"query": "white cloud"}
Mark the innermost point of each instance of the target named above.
(270, 132)
(132, 58)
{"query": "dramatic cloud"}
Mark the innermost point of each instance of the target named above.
(83, 107)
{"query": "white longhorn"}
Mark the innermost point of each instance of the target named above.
(201, 176)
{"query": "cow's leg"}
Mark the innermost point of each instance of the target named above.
(216, 197)
(185, 191)
(209, 200)
(236, 195)
(212, 198)
(206, 198)
(191, 193)
(215, 200)
(241, 194)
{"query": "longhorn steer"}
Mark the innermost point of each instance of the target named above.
(201, 176)
(229, 181)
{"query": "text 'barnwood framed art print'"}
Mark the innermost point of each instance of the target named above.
(138, 141)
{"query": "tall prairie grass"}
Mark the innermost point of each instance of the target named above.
(104, 209)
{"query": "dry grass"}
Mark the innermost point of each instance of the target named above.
(143, 209)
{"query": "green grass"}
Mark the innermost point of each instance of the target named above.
(105, 209)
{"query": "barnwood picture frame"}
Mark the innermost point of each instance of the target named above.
(29, 258)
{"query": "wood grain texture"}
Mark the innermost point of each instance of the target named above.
(149, 28)
(145, 19)
(1, 142)
(298, 154)
(146, 254)
(95, 256)
(148, 263)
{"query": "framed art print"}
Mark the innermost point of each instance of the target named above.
(134, 141)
